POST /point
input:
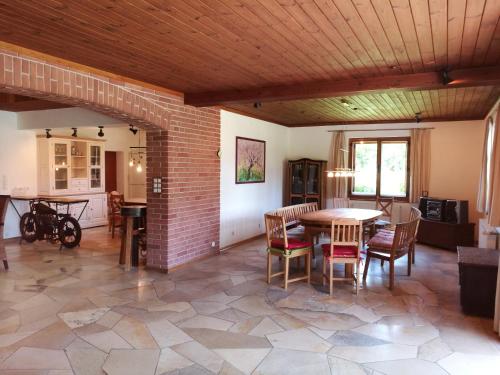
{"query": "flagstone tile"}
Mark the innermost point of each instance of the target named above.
(254, 305)
(11, 338)
(166, 334)
(131, 362)
(245, 326)
(434, 350)
(215, 339)
(174, 307)
(352, 338)
(326, 320)
(376, 353)
(86, 361)
(170, 360)
(202, 321)
(38, 359)
(299, 339)
(208, 308)
(135, 333)
(245, 360)
(280, 361)
(232, 315)
(109, 319)
(341, 366)
(220, 298)
(196, 352)
(265, 327)
(407, 367)
(55, 336)
(107, 340)
(417, 335)
(362, 313)
(75, 319)
(467, 363)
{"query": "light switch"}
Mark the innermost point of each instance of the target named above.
(156, 184)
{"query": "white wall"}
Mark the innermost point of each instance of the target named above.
(18, 173)
(243, 205)
(17, 166)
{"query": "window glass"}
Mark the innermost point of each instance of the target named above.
(393, 168)
(365, 164)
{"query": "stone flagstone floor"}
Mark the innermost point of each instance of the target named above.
(77, 312)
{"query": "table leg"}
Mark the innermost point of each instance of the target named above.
(128, 243)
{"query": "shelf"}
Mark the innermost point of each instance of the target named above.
(78, 156)
(78, 167)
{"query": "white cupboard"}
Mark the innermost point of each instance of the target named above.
(74, 168)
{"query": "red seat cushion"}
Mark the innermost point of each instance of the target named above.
(382, 240)
(293, 243)
(340, 251)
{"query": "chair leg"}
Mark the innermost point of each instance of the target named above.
(391, 274)
(269, 266)
(324, 271)
(5, 264)
(308, 266)
(409, 263)
(287, 267)
(113, 226)
(358, 274)
(367, 264)
(331, 279)
(381, 263)
(413, 253)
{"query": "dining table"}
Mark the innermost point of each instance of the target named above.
(320, 221)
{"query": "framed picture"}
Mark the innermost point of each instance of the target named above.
(250, 160)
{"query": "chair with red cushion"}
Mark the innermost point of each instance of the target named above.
(344, 247)
(115, 202)
(278, 244)
(392, 245)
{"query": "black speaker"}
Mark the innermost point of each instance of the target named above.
(422, 206)
(456, 212)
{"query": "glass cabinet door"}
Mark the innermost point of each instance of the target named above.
(60, 154)
(297, 183)
(95, 166)
(313, 178)
(61, 178)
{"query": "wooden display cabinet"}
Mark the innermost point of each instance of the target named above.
(305, 182)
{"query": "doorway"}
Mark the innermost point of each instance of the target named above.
(110, 182)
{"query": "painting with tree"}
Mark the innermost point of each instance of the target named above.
(250, 160)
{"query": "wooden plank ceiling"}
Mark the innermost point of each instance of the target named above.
(200, 46)
(18, 103)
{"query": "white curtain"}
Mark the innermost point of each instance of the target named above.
(337, 187)
(420, 161)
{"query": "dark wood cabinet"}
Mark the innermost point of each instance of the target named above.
(445, 235)
(305, 182)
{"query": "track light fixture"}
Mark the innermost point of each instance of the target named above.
(47, 133)
(345, 103)
(445, 77)
(132, 129)
(417, 117)
(75, 132)
(101, 133)
(257, 104)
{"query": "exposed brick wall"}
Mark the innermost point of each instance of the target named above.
(182, 144)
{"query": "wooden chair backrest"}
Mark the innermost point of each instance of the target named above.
(275, 229)
(291, 213)
(404, 235)
(340, 202)
(346, 232)
(4, 202)
(414, 213)
(115, 201)
(384, 205)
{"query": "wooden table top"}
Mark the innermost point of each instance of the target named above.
(325, 217)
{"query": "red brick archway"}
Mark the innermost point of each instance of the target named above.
(182, 142)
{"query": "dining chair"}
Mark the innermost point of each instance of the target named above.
(340, 202)
(385, 205)
(278, 244)
(345, 247)
(115, 202)
(389, 246)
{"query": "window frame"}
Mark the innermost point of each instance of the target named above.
(379, 141)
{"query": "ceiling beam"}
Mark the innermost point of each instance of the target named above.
(326, 89)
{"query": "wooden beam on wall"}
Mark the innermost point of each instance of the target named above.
(324, 89)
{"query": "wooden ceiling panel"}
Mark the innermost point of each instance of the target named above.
(471, 103)
(206, 46)
(217, 45)
(18, 103)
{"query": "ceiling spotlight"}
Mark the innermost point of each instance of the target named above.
(75, 130)
(101, 133)
(257, 104)
(132, 129)
(417, 117)
(47, 133)
(445, 77)
(344, 102)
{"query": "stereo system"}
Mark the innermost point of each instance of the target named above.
(446, 210)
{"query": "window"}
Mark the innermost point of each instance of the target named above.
(382, 168)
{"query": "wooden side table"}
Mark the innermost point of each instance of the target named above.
(478, 271)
